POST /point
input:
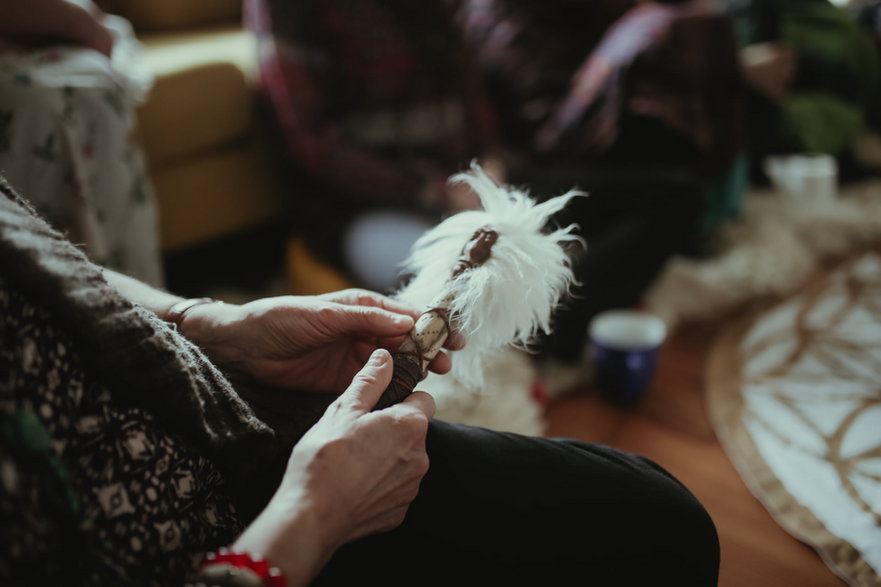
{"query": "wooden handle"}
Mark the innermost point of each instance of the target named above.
(433, 326)
(418, 350)
(407, 374)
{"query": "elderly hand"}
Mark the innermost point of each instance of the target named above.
(354, 473)
(305, 342)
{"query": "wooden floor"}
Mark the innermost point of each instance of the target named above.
(670, 425)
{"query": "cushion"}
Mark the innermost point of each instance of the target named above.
(201, 98)
(215, 195)
(165, 14)
(307, 275)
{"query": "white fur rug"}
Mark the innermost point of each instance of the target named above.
(794, 396)
(770, 251)
(504, 402)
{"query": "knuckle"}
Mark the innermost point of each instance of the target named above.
(325, 312)
(412, 492)
(396, 517)
(430, 406)
(363, 296)
(337, 406)
(413, 422)
(366, 378)
(424, 463)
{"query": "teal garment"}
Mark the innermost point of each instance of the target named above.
(23, 431)
(724, 196)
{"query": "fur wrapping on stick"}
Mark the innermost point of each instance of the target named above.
(510, 298)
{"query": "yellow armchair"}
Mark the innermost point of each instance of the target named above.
(210, 161)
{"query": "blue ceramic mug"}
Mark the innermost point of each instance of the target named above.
(624, 351)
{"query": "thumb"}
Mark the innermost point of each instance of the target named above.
(369, 383)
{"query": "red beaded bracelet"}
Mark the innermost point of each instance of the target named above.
(258, 567)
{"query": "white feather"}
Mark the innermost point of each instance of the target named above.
(510, 298)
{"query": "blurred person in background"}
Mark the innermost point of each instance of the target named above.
(377, 104)
(636, 103)
(378, 101)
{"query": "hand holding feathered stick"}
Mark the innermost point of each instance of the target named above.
(492, 274)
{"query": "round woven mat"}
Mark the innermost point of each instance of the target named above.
(794, 394)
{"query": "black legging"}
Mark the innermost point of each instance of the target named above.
(504, 509)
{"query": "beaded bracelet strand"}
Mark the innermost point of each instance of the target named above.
(227, 568)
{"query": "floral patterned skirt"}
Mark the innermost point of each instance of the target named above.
(67, 144)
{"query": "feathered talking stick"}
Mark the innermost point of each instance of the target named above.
(493, 274)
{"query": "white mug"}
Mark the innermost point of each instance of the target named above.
(809, 177)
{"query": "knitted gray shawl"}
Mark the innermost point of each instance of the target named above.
(137, 356)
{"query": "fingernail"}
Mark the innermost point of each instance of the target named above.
(377, 357)
(402, 320)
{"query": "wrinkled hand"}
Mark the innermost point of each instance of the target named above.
(304, 342)
(370, 463)
(354, 473)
